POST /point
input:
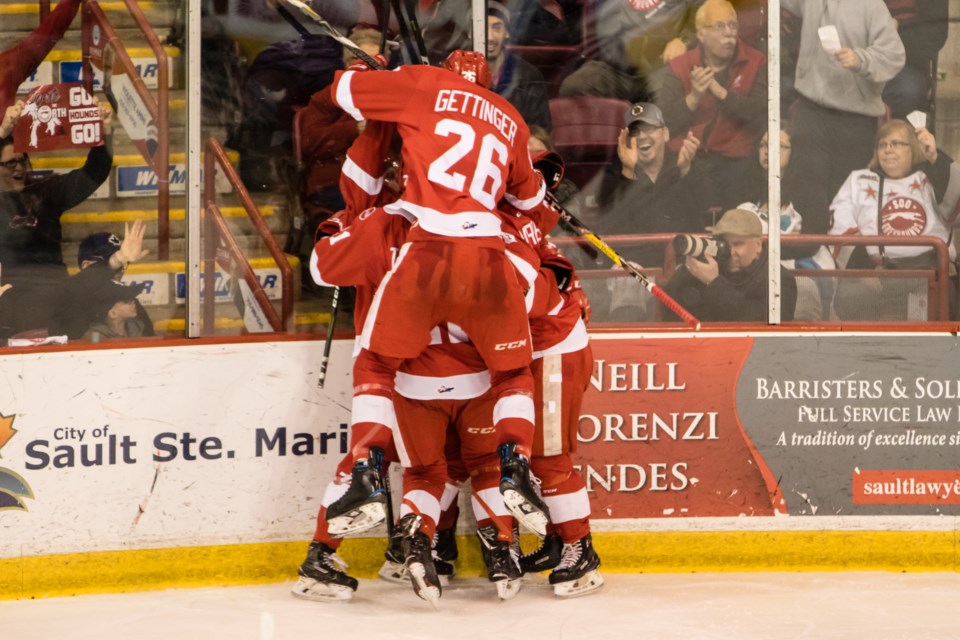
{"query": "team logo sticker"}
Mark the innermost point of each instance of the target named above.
(13, 488)
(903, 216)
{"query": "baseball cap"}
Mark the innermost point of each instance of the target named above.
(102, 299)
(645, 112)
(98, 247)
(497, 9)
(739, 222)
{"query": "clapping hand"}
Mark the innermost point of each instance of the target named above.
(688, 150)
(628, 154)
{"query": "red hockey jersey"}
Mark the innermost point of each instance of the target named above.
(464, 148)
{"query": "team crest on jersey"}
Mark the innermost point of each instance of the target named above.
(903, 216)
(645, 5)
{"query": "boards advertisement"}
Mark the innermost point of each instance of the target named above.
(230, 443)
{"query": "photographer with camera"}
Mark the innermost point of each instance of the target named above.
(724, 277)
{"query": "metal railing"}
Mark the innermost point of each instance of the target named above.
(98, 37)
(216, 230)
(937, 277)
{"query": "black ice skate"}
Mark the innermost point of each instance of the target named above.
(577, 574)
(363, 506)
(419, 558)
(444, 554)
(322, 576)
(544, 558)
(394, 568)
(519, 494)
(501, 560)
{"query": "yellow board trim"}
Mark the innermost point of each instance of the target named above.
(124, 160)
(179, 324)
(32, 7)
(74, 55)
(174, 266)
(143, 214)
(634, 552)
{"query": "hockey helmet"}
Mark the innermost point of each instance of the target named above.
(470, 65)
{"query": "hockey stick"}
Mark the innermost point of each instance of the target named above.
(582, 230)
(405, 35)
(328, 342)
(331, 31)
(415, 28)
(286, 15)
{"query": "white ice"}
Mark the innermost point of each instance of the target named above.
(821, 606)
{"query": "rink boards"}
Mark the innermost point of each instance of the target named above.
(200, 463)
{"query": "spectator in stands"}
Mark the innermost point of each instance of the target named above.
(735, 288)
(70, 305)
(922, 26)
(718, 92)
(835, 117)
(648, 189)
(631, 42)
(30, 232)
(100, 248)
(19, 62)
(282, 77)
(514, 78)
(901, 193)
(813, 294)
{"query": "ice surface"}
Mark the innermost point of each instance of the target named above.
(656, 606)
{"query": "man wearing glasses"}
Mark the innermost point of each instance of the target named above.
(30, 232)
(717, 92)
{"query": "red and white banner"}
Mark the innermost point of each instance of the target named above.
(58, 116)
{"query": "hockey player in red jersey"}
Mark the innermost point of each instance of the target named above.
(562, 365)
(464, 149)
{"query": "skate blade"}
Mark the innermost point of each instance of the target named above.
(585, 584)
(531, 518)
(507, 589)
(394, 572)
(430, 593)
(310, 589)
(361, 519)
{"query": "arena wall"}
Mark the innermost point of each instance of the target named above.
(203, 463)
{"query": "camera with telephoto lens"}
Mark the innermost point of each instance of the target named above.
(699, 247)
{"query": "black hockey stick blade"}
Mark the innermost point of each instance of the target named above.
(331, 31)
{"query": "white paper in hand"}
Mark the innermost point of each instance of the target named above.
(918, 119)
(829, 38)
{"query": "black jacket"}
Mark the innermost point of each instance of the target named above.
(733, 297)
(30, 231)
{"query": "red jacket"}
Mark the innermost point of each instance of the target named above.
(729, 129)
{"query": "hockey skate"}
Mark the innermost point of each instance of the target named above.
(322, 576)
(394, 568)
(419, 560)
(500, 558)
(363, 506)
(444, 553)
(545, 558)
(519, 494)
(577, 574)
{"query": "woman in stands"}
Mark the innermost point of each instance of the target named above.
(908, 190)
